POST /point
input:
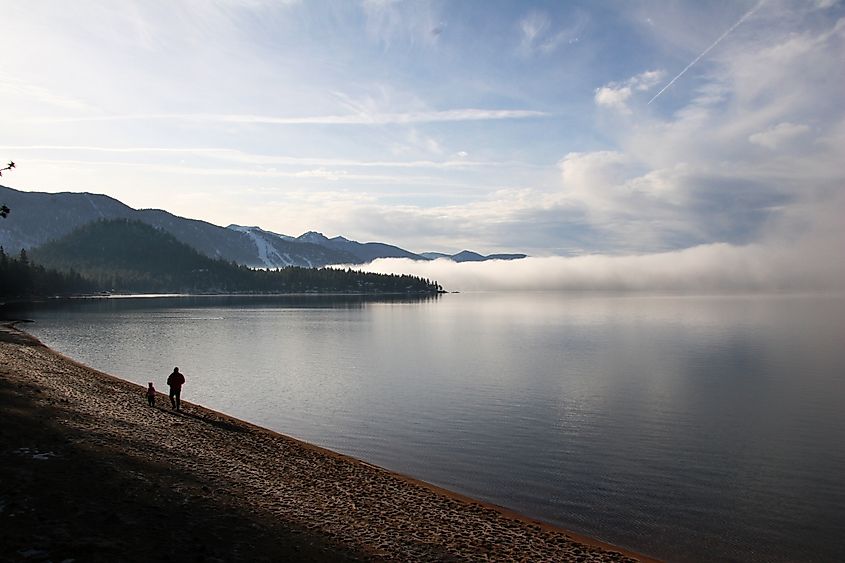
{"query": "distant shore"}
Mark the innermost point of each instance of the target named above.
(91, 473)
(308, 294)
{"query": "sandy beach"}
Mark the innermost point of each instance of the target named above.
(90, 472)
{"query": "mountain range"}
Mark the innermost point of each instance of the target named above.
(38, 218)
(124, 255)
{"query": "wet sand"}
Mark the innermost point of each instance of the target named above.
(90, 472)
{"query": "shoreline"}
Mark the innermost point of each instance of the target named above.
(306, 294)
(307, 501)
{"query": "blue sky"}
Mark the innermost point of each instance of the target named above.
(498, 126)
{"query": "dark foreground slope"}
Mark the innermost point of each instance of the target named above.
(89, 472)
(71, 493)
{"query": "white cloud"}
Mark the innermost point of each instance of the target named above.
(399, 118)
(699, 175)
(615, 95)
(22, 91)
(779, 135)
(590, 178)
(458, 162)
(333, 175)
(533, 26)
(780, 263)
(646, 80)
(416, 141)
(538, 36)
(393, 21)
(708, 49)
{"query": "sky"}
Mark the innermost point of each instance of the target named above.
(610, 129)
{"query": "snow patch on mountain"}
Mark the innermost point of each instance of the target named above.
(266, 253)
(313, 237)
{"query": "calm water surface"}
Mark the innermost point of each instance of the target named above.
(687, 428)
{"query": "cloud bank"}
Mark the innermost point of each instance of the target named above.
(714, 268)
(779, 262)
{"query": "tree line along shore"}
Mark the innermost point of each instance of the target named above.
(121, 256)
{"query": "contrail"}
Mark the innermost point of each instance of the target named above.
(707, 50)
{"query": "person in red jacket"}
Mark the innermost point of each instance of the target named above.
(175, 380)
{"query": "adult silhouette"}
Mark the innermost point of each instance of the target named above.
(175, 380)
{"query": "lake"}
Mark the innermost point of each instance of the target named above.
(687, 428)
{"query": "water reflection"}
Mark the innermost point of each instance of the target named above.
(14, 311)
(692, 428)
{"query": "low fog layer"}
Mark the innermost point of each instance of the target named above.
(797, 250)
(710, 268)
(811, 263)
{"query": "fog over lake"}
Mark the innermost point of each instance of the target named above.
(688, 428)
